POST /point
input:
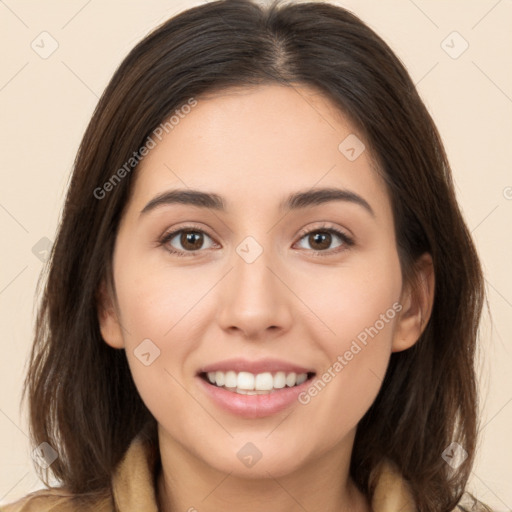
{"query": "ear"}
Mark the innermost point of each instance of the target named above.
(110, 326)
(417, 300)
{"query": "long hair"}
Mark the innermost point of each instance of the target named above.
(82, 399)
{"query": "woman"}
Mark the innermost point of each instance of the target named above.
(263, 295)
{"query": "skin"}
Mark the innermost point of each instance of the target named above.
(254, 147)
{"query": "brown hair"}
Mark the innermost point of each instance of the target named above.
(82, 398)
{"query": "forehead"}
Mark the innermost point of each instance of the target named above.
(260, 143)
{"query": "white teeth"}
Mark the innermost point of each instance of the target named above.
(219, 378)
(291, 379)
(247, 383)
(244, 380)
(280, 380)
(301, 378)
(230, 379)
(264, 382)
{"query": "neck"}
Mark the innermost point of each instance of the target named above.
(187, 483)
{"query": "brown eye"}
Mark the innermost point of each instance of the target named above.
(320, 240)
(191, 240)
(185, 242)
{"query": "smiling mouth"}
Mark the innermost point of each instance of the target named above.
(246, 383)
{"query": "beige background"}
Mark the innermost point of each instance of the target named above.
(47, 103)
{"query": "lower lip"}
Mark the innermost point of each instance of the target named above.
(254, 406)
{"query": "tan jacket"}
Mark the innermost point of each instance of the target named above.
(134, 491)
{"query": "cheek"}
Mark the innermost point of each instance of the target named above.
(354, 298)
(163, 316)
(360, 307)
(156, 302)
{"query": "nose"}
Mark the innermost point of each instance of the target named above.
(254, 300)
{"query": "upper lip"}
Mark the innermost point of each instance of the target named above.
(255, 367)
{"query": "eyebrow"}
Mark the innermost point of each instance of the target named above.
(295, 201)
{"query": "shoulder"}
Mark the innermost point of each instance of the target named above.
(57, 500)
(390, 491)
(131, 484)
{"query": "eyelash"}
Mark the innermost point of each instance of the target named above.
(347, 241)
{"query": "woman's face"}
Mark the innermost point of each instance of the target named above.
(261, 279)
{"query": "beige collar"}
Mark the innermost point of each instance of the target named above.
(392, 493)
